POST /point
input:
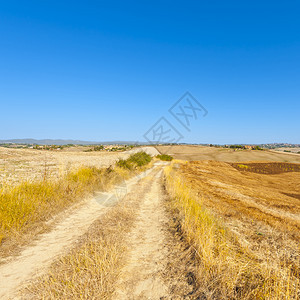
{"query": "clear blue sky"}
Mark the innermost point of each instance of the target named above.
(108, 70)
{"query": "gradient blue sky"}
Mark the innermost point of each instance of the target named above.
(107, 70)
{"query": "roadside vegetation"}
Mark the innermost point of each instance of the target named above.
(134, 161)
(164, 157)
(226, 265)
(25, 208)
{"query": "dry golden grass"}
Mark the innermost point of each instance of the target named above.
(245, 245)
(26, 208)
(91, 269)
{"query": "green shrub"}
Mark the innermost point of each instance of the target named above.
(125, 164)
(236, 146)
(165, 157)
(257, 148)
(140, 158)
(135, 160)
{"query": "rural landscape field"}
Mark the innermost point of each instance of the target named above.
(243, 220)
(150, 224)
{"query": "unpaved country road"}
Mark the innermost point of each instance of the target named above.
(35, 260)
(142, 277)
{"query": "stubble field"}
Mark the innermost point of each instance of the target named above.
(243, 219)
(17, 165)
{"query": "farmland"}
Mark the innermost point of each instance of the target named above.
(191, 152)
(267, 168)
(17, 165)
(253, 210)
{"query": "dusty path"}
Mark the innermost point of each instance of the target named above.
(142, 277)
(34, 260)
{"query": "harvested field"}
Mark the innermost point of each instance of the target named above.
(238, 194)
(261, 212)
(17, 165)
(190, 152)
(291, 150)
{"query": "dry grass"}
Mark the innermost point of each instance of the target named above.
(31, 165)
(92, 268)
(238, 254)
(25, 208)
(266, 199)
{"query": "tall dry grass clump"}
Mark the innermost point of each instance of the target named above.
(223, 268)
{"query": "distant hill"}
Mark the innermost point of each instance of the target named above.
(66, 142)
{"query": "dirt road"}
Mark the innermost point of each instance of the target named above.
(142, 277)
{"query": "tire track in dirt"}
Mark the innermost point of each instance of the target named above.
(144, 275)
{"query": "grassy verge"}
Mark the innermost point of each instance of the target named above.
(223, 268)
(24, 209)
